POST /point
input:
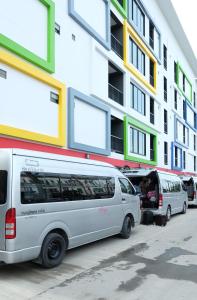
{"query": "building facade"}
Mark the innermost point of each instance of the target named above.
(107, 80)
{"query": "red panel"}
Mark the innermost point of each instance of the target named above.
(13, 143)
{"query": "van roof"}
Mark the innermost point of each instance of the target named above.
(39, 154)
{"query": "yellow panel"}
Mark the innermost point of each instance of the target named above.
(31, 71)
(128, 31)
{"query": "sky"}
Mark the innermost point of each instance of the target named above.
(186, 11)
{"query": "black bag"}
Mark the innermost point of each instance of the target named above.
(147, 218)
(160, 220)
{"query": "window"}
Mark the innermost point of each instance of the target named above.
(54, 97)
(165, 87)
(175, 99)
(137, 57)
(57, 28)
(170, 185)
(3, 186)
(176, 156)
(184, 160)
(194, 163)
(165, 61)
(165, 153)
(3, 74)
(138, 99)
(195, 105)
(152, 111)
(152, 79)
(165, 121)
(46, 187)
(194, 142)
(175, 72)
(138, 17)
(137, 142)
(126, 186)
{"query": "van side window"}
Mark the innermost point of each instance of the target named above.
(76, 187)
(126, 187)
(3, 186)
(170, 186)
(32, 190)
(46, 187)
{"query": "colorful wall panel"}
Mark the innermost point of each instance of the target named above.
(90, 19)
(131, 122)
(28, 110)
(30, 32)
(128, 31)
(89, 124)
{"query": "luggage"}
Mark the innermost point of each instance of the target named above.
(160, 220)
(147, 218)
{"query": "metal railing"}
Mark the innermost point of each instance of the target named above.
(152, 118)
(152, 154)
(165, 63)
(152, 81)
(151, 42)
(165, 96)
(116, 144)
(116, 46)
(115, 94)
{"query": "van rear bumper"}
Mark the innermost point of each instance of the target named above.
(19, 255)
(156, 211)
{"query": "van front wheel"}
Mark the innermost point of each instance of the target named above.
(168, 213)
(126, 227)
(53, 250)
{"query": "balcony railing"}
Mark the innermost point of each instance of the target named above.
(152, 154)
(165, 96)
(151, 42)
(115, 94)
(165, 63)
(116, 144)
(116, 45)
(152, 81)
(152, 118)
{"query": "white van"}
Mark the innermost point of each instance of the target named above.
(50, 203)
(190, 184)
(160, 192)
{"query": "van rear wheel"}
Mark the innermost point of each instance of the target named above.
(168, 213)
(126, 227)
(53, 250)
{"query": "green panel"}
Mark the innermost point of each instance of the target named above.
(130, 121)
(47, 65)
(179, 70)
(121, 9)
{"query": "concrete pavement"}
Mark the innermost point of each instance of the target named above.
(155, 263)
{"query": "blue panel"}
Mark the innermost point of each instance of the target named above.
(187, 104)
(176, 118)
(71, 130)
(173, 159)
(105, 42)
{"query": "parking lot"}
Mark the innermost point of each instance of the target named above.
(155, 263)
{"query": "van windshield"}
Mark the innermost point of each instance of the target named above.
(3, 186)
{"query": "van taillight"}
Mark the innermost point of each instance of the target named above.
(10, 224)
(160, 200)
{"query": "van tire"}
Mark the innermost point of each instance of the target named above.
(53, 250)
(168, 214)
(126, 227)
(184, 208)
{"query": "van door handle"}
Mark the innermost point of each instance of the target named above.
(123, 200)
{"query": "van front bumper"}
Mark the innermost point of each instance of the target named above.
(19, 255)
